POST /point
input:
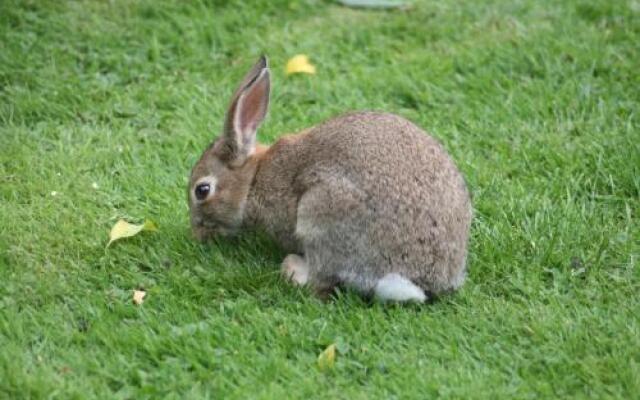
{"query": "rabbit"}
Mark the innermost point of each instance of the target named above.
(366, 200)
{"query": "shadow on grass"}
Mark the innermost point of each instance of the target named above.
(248, 265)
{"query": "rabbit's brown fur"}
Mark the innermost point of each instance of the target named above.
(361, 197)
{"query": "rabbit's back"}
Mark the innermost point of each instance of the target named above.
(388, 194)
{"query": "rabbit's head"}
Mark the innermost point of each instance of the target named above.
(221, 179)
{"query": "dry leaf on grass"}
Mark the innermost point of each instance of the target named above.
(138, 296)
(300, 65)
(327, 358)
(123, 229)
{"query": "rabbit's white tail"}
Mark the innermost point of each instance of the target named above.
(395, 287)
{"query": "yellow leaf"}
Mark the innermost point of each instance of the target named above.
(123, 229)
(138, 296)
(149, 226)
(327, 358)
(300, 64)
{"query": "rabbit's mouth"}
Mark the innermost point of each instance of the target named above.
(202, 234)
(205, 233)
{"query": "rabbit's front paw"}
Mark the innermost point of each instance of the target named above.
(295, 269)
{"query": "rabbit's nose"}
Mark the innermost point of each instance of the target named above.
(197, 221)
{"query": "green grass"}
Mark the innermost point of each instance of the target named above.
(537, 101)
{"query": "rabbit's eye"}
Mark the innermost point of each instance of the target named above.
(202, 191)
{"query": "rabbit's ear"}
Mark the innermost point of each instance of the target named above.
(248, 109)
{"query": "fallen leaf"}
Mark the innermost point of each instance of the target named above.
(138, 296)
(327, 358)
(123, 229)
(300, 65)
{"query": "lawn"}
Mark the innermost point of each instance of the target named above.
(105, 106)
